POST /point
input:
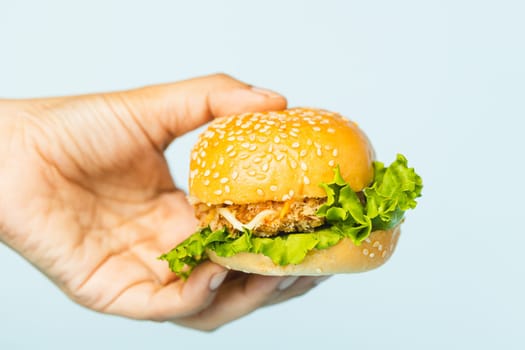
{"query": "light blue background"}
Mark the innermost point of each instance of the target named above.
(441, 81)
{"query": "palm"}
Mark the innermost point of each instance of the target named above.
(115, 210)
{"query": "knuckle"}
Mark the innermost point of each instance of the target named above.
(222, 77)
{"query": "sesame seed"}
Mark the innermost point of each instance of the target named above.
(251, 137)
(253, 148)
(224, 180)
(270, 148)
(256, 126)
(293, 164)
(372, 255)
(245, 145)
(383, 254)
(232, 154)
(330, 130)
(316, 128)
(276, 139)
(257, 160)
(194, 155)
(335, 152)
(309, 142)
(221, 161)
(380, 248)
(365, 251)
(304, 166)
(293, 134)
(206, 182)
(207, 172)
(306, 180)
(240, 138)
(327, 147)
(260, 192)
(203, 164)
(218, 192)
(227, 189)
(265, 167)
(244, 156)
(376, 243)
(295, 145)
(291, 193)
(303, 153)
(283, 135)
(273, 188)
(229, 148)
(286, 197)
(318, 151)
(231, 138)
(251, 172)
(279, 156)
(228, 202)
(331, 163)
(215, 175)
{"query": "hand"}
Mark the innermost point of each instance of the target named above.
(87, 197)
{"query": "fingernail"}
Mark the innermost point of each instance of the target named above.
(321, 280)
(217, 280)
(266, 92)
(287, 282)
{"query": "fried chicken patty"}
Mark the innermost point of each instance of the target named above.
(289, 216)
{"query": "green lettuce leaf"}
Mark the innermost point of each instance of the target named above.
(381, 206)
(393, 191)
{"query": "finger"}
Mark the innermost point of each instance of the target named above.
(170, 110)
(177, 299)
(301, 286)
(235, 298)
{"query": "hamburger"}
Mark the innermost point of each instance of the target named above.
(293, 192)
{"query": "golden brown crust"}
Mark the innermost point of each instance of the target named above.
(345, 257)
(277, 156)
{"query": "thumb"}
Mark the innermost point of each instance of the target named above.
(170, 110)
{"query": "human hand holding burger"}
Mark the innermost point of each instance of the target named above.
(88, 199)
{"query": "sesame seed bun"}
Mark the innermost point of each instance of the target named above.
(277, 156)
(344, 257)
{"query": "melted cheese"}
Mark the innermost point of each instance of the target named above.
(286, 208)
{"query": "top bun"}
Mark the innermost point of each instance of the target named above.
(277, 156)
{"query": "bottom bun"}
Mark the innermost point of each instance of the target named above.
(344, 257)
